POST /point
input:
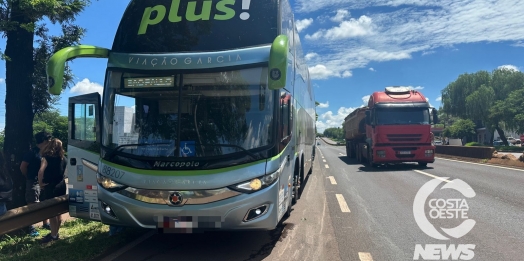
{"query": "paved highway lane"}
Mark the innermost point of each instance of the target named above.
(306, 235)
(381, 220)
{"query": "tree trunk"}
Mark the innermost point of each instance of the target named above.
(18, 101)
(491, 136)
(502, 136)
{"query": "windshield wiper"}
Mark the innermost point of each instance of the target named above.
(232, 146)
(113, 152)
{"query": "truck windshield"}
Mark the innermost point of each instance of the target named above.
(402, 116)
(187, 115)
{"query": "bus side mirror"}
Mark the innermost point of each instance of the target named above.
(56, 64)
(278, 63)
(435, 116)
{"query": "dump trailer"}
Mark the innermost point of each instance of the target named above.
(394, 127)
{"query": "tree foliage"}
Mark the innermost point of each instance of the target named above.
(460, 129)
(512, 110)
(334, 133)
(490, 99)
(28, 47)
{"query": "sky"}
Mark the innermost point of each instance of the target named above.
(356, 47)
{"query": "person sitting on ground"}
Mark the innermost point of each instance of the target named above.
(51, 180)
(6, 186)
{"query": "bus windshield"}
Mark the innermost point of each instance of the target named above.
(187, 115)
(402, 116)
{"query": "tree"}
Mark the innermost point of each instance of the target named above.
(52, 122)
(511, 110)
(21, 23)
(334, 133)
(463, 129)
(475, 96)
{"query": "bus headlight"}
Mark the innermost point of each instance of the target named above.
(256, 184)
(108, 183)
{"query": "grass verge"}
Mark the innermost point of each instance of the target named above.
(509, 149)
(79, 240)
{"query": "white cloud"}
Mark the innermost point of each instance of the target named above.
(310, 56)
(303, 24)
(330, 120)
(365, 99)
(340, 16)
(2, 80)
(438, 98)
(509, 67)
(347, 29)
(86, 86)
(372, 69)
(518, 44)
(323, 105)
(407, 27)
(320, 71)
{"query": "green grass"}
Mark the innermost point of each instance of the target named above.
(79, 240)
(473, 144)
(509, 149)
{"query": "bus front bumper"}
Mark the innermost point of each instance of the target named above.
(227, 214)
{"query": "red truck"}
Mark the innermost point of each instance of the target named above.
(395, 127)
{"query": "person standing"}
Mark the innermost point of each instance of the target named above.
(6, 186)
(29, 168)
(51, 180)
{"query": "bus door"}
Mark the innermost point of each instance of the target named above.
(83, 153)
(287, 148)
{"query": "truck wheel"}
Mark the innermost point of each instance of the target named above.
(423, 164)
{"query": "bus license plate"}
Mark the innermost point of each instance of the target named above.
(404, 152)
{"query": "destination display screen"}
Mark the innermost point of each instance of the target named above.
(165, 26)
(149, 82)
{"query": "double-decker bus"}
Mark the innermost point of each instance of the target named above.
(207, 118)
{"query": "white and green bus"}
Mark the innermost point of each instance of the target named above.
(207, 118)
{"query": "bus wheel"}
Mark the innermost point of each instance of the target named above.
(423, 164)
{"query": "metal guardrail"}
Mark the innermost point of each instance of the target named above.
(25, 216)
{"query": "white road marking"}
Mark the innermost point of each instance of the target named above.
(332, 179)
(488, 165)
(342, 203)
(431, 175)
(324, 160)
(364, 256)
(326, 165)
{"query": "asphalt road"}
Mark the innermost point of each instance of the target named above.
(352, 212)
(381, 201)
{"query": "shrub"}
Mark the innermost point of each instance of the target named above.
(473, 144)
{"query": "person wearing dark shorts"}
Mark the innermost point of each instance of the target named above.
(29, 168)
(52, 181)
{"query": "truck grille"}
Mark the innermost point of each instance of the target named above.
(404, 137)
